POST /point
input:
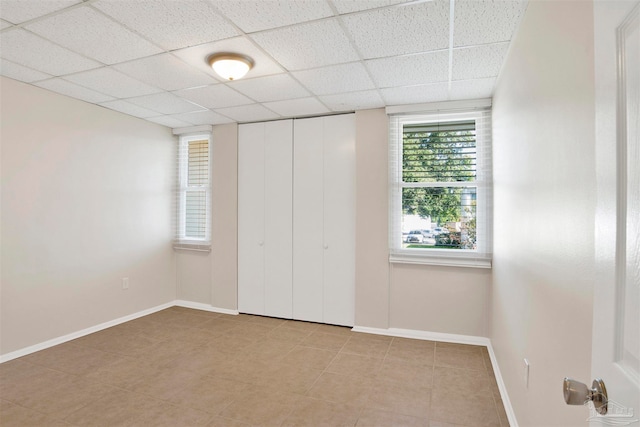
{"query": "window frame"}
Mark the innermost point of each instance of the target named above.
(182, 241)
(479, 257)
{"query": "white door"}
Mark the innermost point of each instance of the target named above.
(264, 218)
(278, 235)
(251, 218)
(324, 219)
(616, 330)
(308, 227)
(339, 219)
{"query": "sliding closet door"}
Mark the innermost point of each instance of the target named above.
(265, 218)
(251, 218)
(308, 209)
(339, 219)
(278, 218)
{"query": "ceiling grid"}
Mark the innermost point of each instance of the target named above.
(148, 58)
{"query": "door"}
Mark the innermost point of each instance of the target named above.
(308, 227)
(264, 218)
(251, 218)
(324, 219)
(616, 329)
(339, 219)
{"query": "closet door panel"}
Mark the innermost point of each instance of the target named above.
(278, 218)
(339, 219)
(251, 218)
(308, 220)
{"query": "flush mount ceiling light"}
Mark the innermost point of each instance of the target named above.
(230, 66)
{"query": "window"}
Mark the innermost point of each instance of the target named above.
(441, 188)
(194, 195)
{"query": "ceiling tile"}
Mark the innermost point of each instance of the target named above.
(4, 24)
(170, 23)
(168, 121)
(197, 56)
(353, 101)
(258, 15)
(73, 90)
(297, 107)
(335, 79)
(19, 72)
(248, 113)
(165, 103)
(129, 108)
(411, 69)
(203, 118)
(399, 30)
(109, 81)
(416, 94)
(165, 71)
(92, 34)
(310, 45)
(18, 11)
(214, 96)
(270, 88)
(499, 20)
(472, 89)
(348, 6)
(27, 49)
(478, 62)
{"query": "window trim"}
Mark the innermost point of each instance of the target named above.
(478, 258)
(182, 242)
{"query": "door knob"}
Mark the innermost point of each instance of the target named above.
(577, 393)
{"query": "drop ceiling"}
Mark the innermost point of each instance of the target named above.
(147, 58)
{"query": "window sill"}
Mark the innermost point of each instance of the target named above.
(440, 259)
(195, 246)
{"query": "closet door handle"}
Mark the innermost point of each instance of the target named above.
(260, 243)
(326, 246)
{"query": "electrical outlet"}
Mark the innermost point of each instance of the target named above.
(125, 283)
(526, 373)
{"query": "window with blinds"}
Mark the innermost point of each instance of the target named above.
(440, 189)
(194, 194)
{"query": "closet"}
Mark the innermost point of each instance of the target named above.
(296, 219)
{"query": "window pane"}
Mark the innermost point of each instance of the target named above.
(439, 152)
(196, 214)
(439, 217)
(198, 171)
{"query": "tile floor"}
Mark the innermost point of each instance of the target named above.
(183, 367)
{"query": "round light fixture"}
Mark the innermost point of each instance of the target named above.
(230, 66)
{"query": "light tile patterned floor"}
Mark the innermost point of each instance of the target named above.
(183, 367)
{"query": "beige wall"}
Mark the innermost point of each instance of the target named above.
(86, 200)
(544, 184)
(211, 278)
(425, 298)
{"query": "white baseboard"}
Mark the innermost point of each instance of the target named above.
(457, 339)
(511, 415)
(204, 307)
(424, 335)
(72, 336)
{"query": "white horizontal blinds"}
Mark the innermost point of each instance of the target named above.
(197, 189)
(439, 152)
(440, 180)
(194, 196)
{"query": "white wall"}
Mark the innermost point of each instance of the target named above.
(544, 186)
(86, 200)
